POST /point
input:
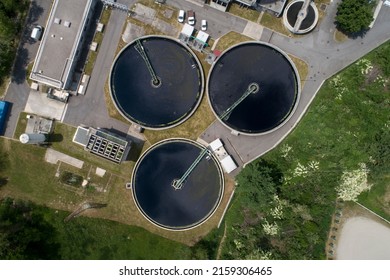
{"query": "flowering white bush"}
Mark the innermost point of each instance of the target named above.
(365, 66)
(270, 229)
(379, 79)
(303, 212)
(339, 86)
(285, 150)
(314, 165)
(259, 255)
(238, 244)
(303, 171)
(300, 170)
(353, 183)
(277, 211)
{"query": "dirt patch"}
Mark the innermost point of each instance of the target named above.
(364, 239)
(373, 75)
(344, 212)
(168, 13)
(386, 200)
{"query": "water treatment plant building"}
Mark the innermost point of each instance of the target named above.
(62, 42)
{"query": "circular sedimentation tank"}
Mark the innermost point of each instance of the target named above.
(253, 88)
(293, 12)
(156, 82)
(164, 201)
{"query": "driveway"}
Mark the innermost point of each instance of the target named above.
(90, 109)
(18, 90)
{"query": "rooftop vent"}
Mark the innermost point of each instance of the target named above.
(67, 23)
(57, 20)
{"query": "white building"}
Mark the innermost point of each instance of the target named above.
(62, 42)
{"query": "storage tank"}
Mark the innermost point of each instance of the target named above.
(177, 184)
(156, 82)
(253, 88)
(32, 138)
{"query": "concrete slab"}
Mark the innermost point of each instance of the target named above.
(253, 30)
(165, 27)
(34, 86)
(364, 239)
(39, 104)
(100, 171)
(38, 124)
(132, 32)
(53, 157)
(144, 13)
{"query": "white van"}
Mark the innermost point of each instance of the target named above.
(37, 32)
(181, 16)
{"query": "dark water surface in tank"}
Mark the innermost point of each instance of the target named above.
(276, 78)
(292, 15)
(160, 202)
(166, 105)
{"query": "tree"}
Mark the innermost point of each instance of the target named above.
(3, 166)
(24, 233)
(354, 16)
(379, 151)
(12, 15)
(258, 182)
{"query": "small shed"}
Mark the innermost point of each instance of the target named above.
(228, 164)
(216, 144)
(186, 33)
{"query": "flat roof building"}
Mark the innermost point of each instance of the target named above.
(62, 42)
(103, 143)
(273, 6)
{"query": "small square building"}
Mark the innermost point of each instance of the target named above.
(103, 143)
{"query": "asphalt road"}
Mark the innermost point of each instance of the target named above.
(18, 89)
(90, 109)
(218, 23)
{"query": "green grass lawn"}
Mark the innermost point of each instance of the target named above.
(230, 39)
(98, 38)
(244, 12)
(81, 238)
(275, 24)
(30, 178)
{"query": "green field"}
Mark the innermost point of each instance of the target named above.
(285, 200)
(78, 239)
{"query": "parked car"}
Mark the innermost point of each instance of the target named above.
(203, 26)
(191, 17)
(37, 32)
(181, 16)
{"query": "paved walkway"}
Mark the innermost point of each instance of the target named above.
(253, 30)
(53, 157)
(39, 104)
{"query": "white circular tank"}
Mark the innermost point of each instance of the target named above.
(36, 138)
